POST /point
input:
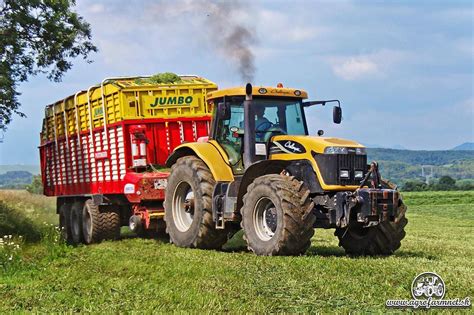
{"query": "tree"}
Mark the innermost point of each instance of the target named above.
(414, 185)
(37, 36)
(446, 183)
(36, 186)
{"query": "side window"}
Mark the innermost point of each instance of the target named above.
(294, 121)
(226, 138)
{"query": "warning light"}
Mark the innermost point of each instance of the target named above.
(279, 85)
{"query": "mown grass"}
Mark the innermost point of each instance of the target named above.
(149, 275)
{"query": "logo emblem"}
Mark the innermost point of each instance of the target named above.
(428, 285)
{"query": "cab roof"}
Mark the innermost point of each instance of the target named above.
(260, 91)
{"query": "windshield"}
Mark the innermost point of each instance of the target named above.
(272, 117)
(278, 117)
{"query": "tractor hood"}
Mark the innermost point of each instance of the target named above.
(301, 144)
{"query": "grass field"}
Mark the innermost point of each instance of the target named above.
(150, 275)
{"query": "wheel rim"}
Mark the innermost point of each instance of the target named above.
(183, 206)
(265, 219)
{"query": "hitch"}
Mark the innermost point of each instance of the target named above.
(366, 205)
(374, 175)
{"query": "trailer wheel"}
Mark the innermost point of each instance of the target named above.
(65, 222)
(91, 226)
(76, 222)
(110, 224)
(382, 239)
(188, 206)
(277, 216)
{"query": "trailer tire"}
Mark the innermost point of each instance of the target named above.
(110, 224)
(277, 216)
(65, 222)
(188, 206)
(383, 239)
(91, 223)
(76, 222)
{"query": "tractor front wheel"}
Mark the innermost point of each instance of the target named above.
(382, 239)
(277, 216)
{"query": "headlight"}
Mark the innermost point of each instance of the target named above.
(358, 174)
(344, 174)
(361, 151)
(335, 150)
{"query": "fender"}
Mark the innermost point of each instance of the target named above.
(301, 169)
(209, 153)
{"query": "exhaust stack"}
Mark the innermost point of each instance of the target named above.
(249, 127)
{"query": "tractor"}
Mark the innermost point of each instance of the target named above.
(260, 170)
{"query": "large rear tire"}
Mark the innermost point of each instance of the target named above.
(188, 206)
(277, 216)
(382, 239)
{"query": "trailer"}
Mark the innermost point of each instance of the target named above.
(103, 151)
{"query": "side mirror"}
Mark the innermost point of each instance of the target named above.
(337, 114)
(223, 111)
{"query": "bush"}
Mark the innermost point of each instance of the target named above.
(415, 185)
(36, 186)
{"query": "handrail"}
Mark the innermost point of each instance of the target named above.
(65, 124)
(77, 117)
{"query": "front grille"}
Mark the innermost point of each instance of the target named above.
(331, 164)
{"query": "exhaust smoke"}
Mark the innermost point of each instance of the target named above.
(223, 23)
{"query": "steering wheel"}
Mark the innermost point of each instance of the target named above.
(262, 127)
(273, 131)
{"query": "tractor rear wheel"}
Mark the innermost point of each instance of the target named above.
(76, 222)
(277, 216)
(65, 222)
(382, 239)
(188, 206)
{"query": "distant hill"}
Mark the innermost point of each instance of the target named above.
(464, 146)
(378, 146)
(420, 157)
(402, 165)
(15, 179)
(33, 169)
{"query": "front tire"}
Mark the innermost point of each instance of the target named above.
(382, 239)
(277, 216)
(188, 206)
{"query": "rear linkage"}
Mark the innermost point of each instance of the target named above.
(366, 206)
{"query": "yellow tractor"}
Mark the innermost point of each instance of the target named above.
(261, 171)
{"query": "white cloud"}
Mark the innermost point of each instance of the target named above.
(279, 27)
(367, 66)
(96, 8)
(356, 68)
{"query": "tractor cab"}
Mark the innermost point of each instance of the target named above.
(273, 111)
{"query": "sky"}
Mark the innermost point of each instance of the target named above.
(403, 70)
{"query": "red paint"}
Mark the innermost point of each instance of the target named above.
(163, 135)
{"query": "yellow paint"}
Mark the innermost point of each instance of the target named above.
(257, 91)
(316, 144)
(214, 157)
(127, 99)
